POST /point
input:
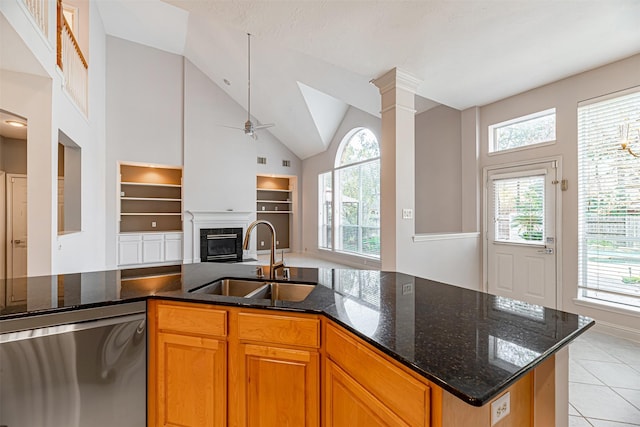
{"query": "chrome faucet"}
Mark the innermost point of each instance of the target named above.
(273, 265)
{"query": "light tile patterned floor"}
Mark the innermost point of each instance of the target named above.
(604, 381)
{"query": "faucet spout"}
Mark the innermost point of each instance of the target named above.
(273, 265)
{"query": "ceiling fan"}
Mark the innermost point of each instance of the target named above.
(249, 127)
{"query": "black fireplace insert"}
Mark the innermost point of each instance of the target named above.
(221, 244)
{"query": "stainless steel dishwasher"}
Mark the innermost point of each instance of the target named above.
(74, 369)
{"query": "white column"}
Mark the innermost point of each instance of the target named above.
(397, 167)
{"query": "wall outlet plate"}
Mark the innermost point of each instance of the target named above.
(500, 408)
(407, 213)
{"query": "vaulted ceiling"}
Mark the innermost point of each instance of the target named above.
(312, 59)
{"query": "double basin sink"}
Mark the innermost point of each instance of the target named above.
(258, 289)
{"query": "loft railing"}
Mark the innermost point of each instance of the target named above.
(72, 62)
(38, 9)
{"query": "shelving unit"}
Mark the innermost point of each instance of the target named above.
(274, 203)
(150, 215)
(150, 199)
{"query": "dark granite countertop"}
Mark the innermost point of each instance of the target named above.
(471, 344)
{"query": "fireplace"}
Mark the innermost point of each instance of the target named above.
(221, 244)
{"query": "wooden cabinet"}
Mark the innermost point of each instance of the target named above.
(348, 403)
(278, 371)
(266, 366)
(187, 365)
(274, 203)
(214, 366)
(356, 397)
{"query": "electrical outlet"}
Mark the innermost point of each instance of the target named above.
(407, 289)
(500, 408)
(153, 224)
(277, 242)
(261, 242)
(407, 213)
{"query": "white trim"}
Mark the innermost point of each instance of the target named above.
(608, 96)
(611, 307)
(528, 172)
(215, 219)
(429, 237)
(523, 148)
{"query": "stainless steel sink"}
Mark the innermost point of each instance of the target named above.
(283, 291)
(258, 289)
(231, 287)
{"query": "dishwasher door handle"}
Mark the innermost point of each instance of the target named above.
(71, 327)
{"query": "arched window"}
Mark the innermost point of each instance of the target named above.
(350, 197)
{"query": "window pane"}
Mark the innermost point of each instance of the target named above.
(362, 145)
(359, 208)
(528, 130)
(325, 210)
(609, 201)
(519, 209)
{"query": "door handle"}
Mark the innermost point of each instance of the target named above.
(17, 241)
(546, 251)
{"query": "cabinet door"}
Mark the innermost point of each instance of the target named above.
(152, 248)
(279, 387)
(173, 247)
(191, 381)
(129, 251)
(347, 403)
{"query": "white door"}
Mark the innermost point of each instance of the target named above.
(521, 233)
(16, 236)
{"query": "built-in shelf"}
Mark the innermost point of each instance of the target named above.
(150, 198)
(275, 190)
(156, 199)
(274, 204)
(151, 184)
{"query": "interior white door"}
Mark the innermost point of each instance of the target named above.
(16, 226)
(521, 233)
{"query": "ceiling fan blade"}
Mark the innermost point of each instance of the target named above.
(232, 127)
(265, 126)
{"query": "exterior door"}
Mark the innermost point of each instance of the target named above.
(521, 233)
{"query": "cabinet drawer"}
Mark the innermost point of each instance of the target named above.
(404, 395)
(289, 330)
(192, 319)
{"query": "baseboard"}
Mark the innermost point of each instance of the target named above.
(625, 332)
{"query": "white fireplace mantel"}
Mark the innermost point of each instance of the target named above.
(216, 219)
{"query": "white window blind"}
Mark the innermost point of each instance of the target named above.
(519, 209)
(609, 201)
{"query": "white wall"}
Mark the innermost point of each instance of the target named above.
(144, 113)
(220, 164)
(438, 171)
(88, 133)
(29, 96)
(564, 95)
(161, 109)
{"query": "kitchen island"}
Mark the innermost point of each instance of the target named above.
(464, 349)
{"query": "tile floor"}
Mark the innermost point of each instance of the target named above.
(604, 371)
(604, 381)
